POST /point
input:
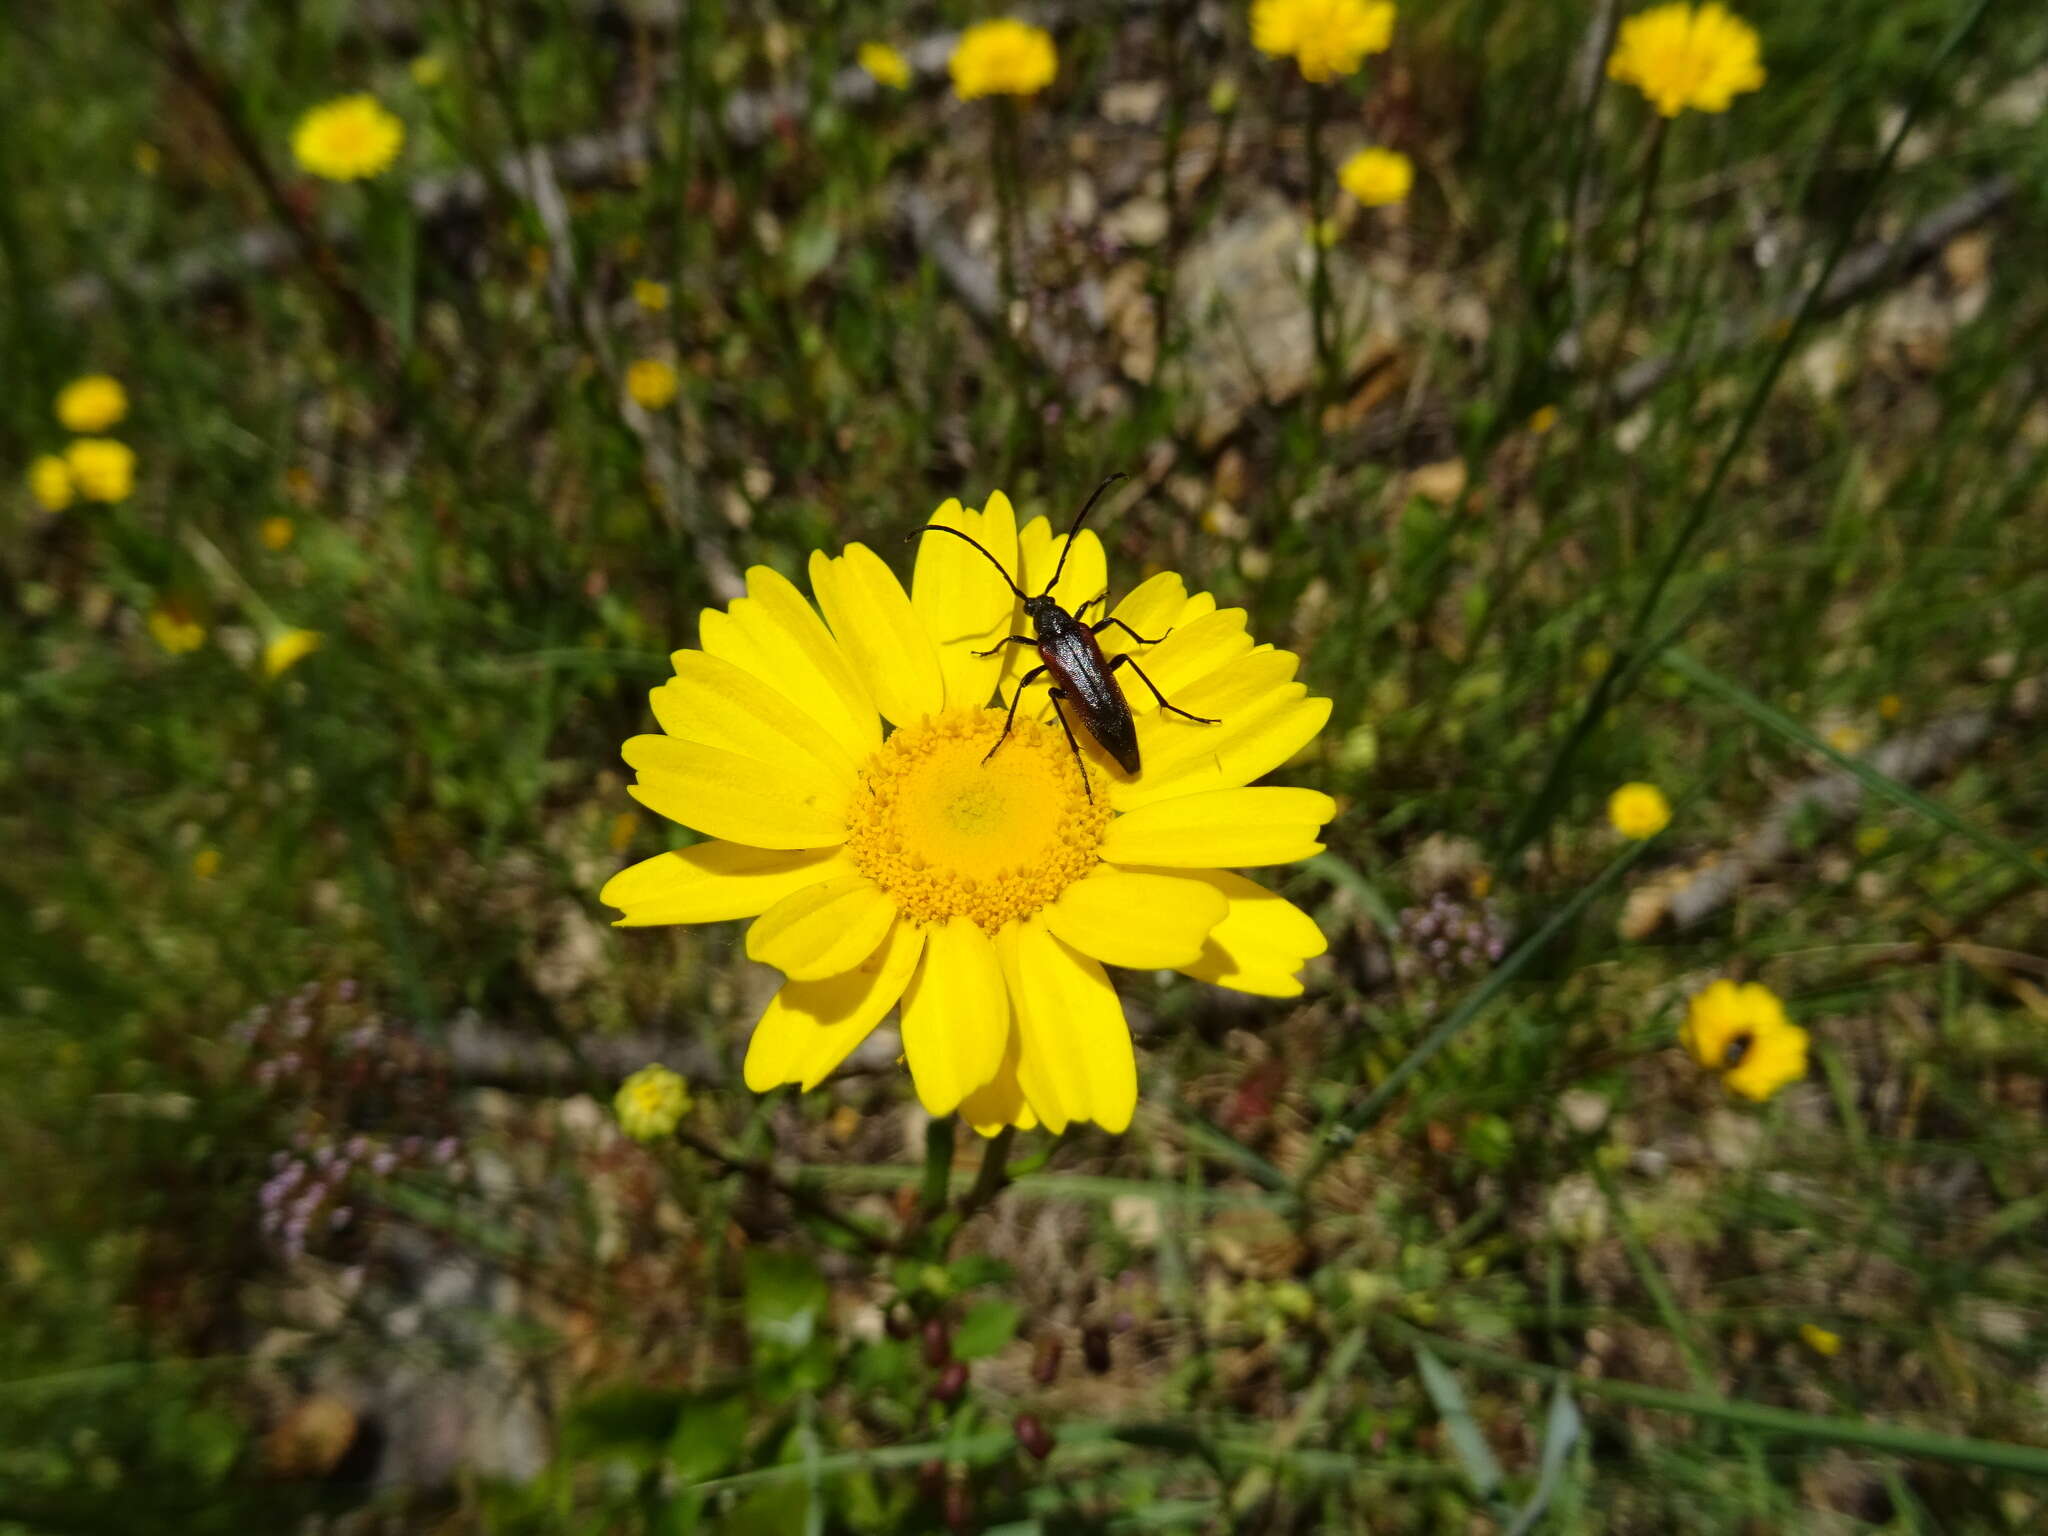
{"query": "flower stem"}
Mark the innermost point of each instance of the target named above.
(1319, 275)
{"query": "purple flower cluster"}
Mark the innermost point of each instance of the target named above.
(1447, 938)
(330, 1064)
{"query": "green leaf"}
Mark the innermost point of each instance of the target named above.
(710, 1436)
(784, 1296)
(635, 1422)
(986, 1328)
(1560, 1434)
(1474, 1454)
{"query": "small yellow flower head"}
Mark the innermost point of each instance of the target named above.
(885, 66)
(1890, 707)
(287, 650)
(1820, 1340)
(652, 383)
(91, 404)
(1638, 810)
(625, 827)
(1327, 38)
(49, 481)
(347, 139)
(1683, 56)
(1378, 177)
(148, 159)
(175, 630)
(651, 1102)
(206, 863)
(101, 468)
(1543, 420)
(427, 70)
(650, 295)
(1003, 58)
(1742, 1033)
(276, 532)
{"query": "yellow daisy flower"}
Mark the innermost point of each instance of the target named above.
(1683, 56)
(652, 383)
(287, 649)
(1002, 58)
(348, 139)
(1638, 810)
(92, 404)
(49, 481)
(101, 468)
(983, 890)
(1327, 38)
(1742, 1033)
(885, 66)
(1377, 177)
(175, 630)
(651, 1103)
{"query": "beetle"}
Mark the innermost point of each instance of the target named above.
(1067, 649)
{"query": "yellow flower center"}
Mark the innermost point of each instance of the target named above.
(948, 835)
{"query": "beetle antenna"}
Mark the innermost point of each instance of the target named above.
(1022, 596)
(1079, 517)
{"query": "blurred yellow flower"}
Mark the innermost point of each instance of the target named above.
(427, 70)
(983, 889)
(287, 649)
(1742, 1033)
(276, 532)
(1002, 58)
(1377, 177)
(651, 1103)
(652, 383)
(49, 481)
(1323, 232)
(1543, 420)
(1638, 810)
(1820, 1340)
(1326, 38)
(1683, 56)
(175, 630)
(884, 65)
(650, 295)
(1847, 739)
(101, 468)
(1890, 707)
(206, 863)
(625, 826)
(148, 159)
(91, 404)
(347, 139)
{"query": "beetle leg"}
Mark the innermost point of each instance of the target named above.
(1073, 746)
(1006, 640)
(1125, 661)
(1101, 624)
(1011, 718)
(1101, 597)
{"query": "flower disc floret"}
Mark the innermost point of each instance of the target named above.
(1682, 56)
(1006, 57)
(948, 835)
(1328, 39)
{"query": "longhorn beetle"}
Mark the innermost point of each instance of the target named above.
(1067, 649)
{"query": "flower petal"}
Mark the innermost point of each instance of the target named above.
(775, 634)
(712, 701)
(956, 1016)
(879, 631)
(1185, 657)
(1144, 921)
(1262, 942)
(810, 1026)
(1263, 720)
(1075, 1060)
(721, 794)
(1224, 827)
(1153, 608)
(823, 929)
(710, 882)
(1087, 570)
(962, 601)
(1000, 1101)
